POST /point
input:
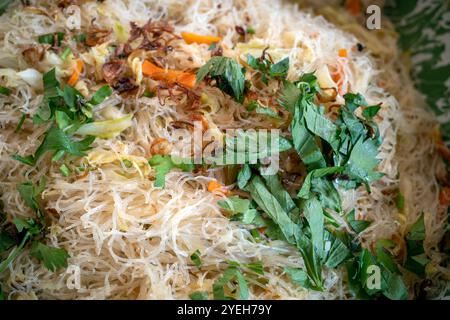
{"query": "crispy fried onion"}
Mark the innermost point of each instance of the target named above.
(118, 75)
(34, 53)
(155, 35)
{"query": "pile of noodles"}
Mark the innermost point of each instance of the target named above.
(130, 240)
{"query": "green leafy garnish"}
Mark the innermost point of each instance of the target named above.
(267, 68)
(231, 274)
(52, 258)
(71, 113)
(195, 258)
(65, 171)
(51, 37)
(227, 73)
(80, 37)
(20, 124)
(163, 164)
(3, 6)
(5, 91)
(199, 295)
(67, 51)
(31, 232)
(400, 202)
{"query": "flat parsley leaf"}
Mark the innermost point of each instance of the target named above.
(53, 258)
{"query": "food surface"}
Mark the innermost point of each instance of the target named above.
(108, 110)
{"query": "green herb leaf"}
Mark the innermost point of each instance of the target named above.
(357, 225)
(280, 69)
(100, 95)
(299, 277)
(199, 295)
(234, 204)
(29, 193)
(244, 176)
(56, 140)
(65, 171)
(400, 202)
(20, 124)
(269, 204)
(162, 165)
(28, 160)
(6, 242)
(417, 231)
(231, 273)
(80, 37)
(195, 258)
(5, 91)
(53, 258)
(3, 6)
(305, 191)
(370, 112)
(337, 253)
(228, 74)
(50, 38)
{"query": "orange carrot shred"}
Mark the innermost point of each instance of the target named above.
(186, 79)
(196, 38)
(76, 72)
(215, 187)
(353, 6)
(343, 53)
(444, 196)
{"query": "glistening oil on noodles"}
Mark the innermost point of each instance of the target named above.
(127, 238)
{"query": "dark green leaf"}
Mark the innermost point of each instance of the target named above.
(370, 112)
(228, 74)
(305, 191)
(100, 95)
(299, 277)
(199, 295)
(354, 101)
(230, 274)
(195, 258)
(400, 202)
(51, 84)
(337, 253)
(56, 140)
(5, 91)
(80, 37)
(275, 187)
(280, 69)
(321, 126)
(244, 176)
(53, 258)
(234, 204)
(250, 30)
(357, 225)
(20, 124)
(3, 6)
(314, 215)
(50, 38)
(269, 204)
(363, 161)
(417, 231)
(6, 242)
(28, 160)
(163, 164)
(256, 267)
